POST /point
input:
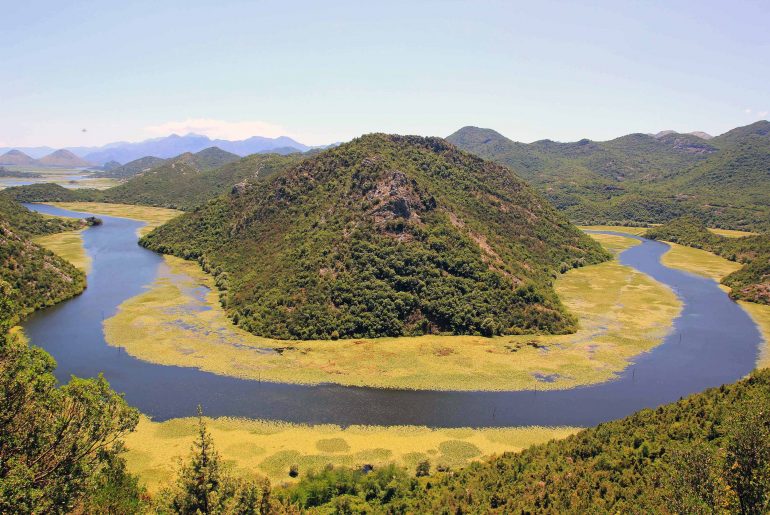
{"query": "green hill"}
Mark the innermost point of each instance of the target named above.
(724, 181)
(22, 220)
(191, 179)
(37, 276)
(132, 168)
(386, 235)
(752, 282)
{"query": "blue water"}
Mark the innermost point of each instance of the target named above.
(712, 342)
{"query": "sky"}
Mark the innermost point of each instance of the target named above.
(88, 73)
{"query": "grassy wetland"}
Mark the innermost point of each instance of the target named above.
(153, 216)
(68, 245)
(622, 313)
(270, 448)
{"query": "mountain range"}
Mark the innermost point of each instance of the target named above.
(170, 146)
(723, 181)
(58, 158)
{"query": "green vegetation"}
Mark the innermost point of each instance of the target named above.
(183, 182)
(132, 168)
(271, 448)
(724, 181)
(707, 453)
(59, 446)
(385, 236)
(37, 276)
(621, 314)
(752, 281)
(21, 219)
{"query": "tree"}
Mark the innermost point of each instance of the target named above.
(203, 486)
(54, 441)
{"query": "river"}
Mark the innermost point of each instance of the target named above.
(712, 342)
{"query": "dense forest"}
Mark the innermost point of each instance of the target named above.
(36, 276)
(723, 181)
(386, 235)
(752, 282)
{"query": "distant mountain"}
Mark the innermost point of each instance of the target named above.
(175, 145)
(110, 165)
(133, 167)
(724, 181)
(16, 157)
(189, 180)
(63, 158)
(384, 236)
(213, 157)
(698, 134)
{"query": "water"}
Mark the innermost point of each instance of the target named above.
(712, 342)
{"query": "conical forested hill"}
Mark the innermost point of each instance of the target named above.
(384, 236)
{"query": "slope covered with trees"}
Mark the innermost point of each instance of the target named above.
(386, 235)
(752, 282)
(724, 181)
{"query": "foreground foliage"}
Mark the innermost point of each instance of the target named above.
(59, 446)
(752, 281)
(385, 236)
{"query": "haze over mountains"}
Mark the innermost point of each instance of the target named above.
(170, 146)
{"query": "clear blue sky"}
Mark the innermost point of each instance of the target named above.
(329, 71)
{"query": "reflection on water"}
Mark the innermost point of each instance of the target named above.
(713, 341)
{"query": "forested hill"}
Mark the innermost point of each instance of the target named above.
(752, 282)
(183, 182)
(724, 181)
(385, 235)
(22, 220)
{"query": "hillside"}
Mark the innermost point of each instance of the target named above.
(386, 235)
(724, 181)
(132, 168)
(708, 453)
(191, 179)
(16, 157)
(38, 277)
(22, 220)
(63, 158)
(752, 282)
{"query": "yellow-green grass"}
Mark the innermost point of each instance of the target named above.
(637, 231)
(698, 262)
(715, 267)
(153, 216)
(67, 245)
(622, 313)
(729, 233)
(269, 448)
